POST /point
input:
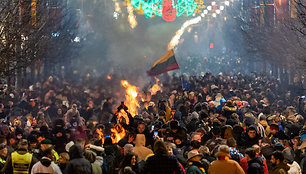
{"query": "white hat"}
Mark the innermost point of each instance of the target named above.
(192, 154)
(67, 147)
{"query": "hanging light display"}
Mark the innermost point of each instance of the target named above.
(167, 9)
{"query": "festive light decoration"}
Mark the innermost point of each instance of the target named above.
(165, 8)
(131, 17)
(33, 12)
(200, 6)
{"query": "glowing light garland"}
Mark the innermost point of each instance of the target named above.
(168, 9)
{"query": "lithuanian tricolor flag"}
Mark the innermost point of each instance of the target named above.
(166, 63)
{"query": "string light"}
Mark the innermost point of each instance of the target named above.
(155, 7)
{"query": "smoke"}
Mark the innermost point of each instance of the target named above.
(115, 47)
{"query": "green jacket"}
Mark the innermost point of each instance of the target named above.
(194, 167)
(281, 168)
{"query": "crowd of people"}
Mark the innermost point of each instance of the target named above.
(211, 124)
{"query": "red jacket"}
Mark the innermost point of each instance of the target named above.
(245, 166)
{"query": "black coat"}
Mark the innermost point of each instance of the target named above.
(255, 166)
(77, 164)
(162, 164)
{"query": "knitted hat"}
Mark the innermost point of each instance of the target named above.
(288, 155)
(46, 141)
(274, 126)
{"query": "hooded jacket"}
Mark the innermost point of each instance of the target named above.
(294, 168)
(45, 165)
(162, 164)
(255, 166)
(91, 157)
(77, 164)
(140, 148)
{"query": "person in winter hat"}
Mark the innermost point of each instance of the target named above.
(278, 163)
(77, 164)
(91, 157)
(224, 164)
(140, 148)
(294, 166)
(46, 164)
(194, 163)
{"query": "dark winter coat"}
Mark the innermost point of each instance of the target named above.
(247, 142)
(162, 164)
(255, 166)
(77, 164)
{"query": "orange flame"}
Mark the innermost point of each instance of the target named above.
(118, 132)
(100, 133)
(130, 97)
(122, 114)
(155, 87)
(109, 77)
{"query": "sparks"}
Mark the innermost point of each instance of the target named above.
(175, 40)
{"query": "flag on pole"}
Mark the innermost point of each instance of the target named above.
(166, 63)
